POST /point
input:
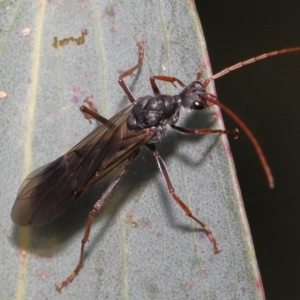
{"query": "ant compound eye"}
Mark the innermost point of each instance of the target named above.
(199, 105)
(196, 104)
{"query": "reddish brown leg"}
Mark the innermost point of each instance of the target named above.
(166, 79)
(91, 104)
(234, 132)
(130, 72)
(164, 171)
(93, 115)
(88, 227)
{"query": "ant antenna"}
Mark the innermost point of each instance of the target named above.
(214, 99)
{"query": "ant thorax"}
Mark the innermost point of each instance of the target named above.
(154, 112)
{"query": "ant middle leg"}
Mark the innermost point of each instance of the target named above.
(183, 206)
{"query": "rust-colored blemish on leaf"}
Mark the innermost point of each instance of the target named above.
(78, 41)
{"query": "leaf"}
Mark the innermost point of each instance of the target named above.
(142, 246)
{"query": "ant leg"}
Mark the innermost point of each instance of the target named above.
(91, 114)
(130, 72)
(234, 132)
(166, 79)
(164, 171)
(88, 227)
(91, 104)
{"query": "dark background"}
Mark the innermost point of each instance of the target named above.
(266, 95)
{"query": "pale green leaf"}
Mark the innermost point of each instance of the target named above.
(165, 256)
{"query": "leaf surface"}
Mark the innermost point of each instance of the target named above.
(142, 245)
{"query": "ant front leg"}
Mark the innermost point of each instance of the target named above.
(130, 72)
(234, 132)
(166, 79)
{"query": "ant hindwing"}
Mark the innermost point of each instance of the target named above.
(47, 192)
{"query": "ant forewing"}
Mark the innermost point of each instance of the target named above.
(47, 192)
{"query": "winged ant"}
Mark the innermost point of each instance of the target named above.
(47, 192)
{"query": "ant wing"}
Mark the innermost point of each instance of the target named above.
(47, 192)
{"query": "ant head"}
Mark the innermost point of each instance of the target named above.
(194, 96)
